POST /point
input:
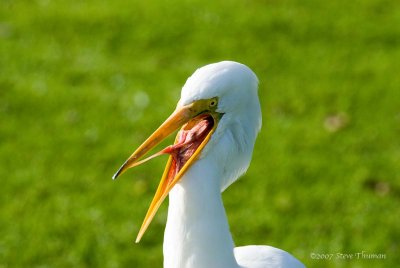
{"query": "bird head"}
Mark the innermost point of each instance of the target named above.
(219, 111)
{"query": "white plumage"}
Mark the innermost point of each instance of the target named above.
(197, 232)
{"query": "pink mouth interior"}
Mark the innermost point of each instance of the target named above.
(189, 138)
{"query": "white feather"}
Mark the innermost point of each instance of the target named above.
(197, 233)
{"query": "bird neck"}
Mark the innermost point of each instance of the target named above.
(197, 231)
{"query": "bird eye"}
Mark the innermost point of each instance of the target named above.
(213, 103)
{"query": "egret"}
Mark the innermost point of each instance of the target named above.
(219, 117)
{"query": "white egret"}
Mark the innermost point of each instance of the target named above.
(219, 115)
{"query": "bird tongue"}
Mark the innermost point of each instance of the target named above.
(189, 138)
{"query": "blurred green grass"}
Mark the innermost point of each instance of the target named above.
(83, 83)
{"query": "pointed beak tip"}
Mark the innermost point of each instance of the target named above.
(137, 240)
(119, 171)
(115, 176)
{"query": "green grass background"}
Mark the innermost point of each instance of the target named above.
(82, 83)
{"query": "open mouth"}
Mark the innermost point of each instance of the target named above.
(188, 140)
(197, 122)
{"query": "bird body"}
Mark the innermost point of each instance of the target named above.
(265, 257)
(221, 117)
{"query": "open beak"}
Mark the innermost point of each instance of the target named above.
(197, 121)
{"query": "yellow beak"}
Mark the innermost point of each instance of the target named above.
(201, 112)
